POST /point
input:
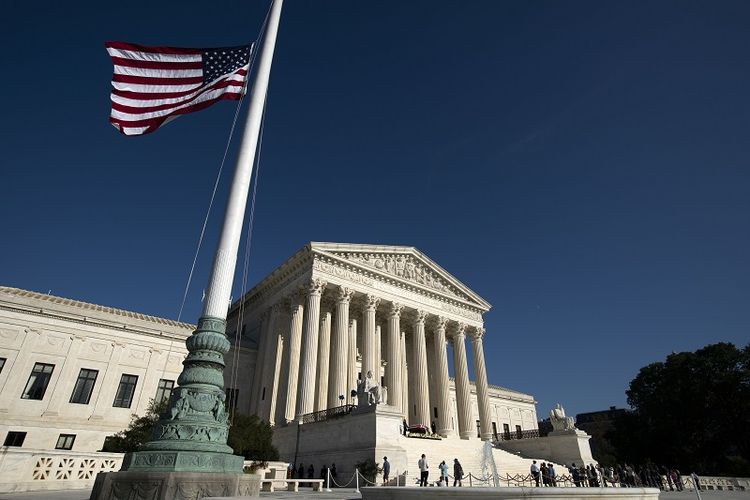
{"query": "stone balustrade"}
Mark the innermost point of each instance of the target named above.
(23, 469)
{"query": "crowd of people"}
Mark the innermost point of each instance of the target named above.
(598, 476)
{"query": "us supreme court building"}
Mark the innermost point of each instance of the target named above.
(72, 373)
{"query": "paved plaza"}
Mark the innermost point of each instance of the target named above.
(350, 493)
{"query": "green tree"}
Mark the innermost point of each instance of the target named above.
(139, 431)
(250, 437)
(691, 411)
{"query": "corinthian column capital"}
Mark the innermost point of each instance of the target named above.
(344, 295)
(419, 317)
(316, 286)
(395, 310)
(459, 330)
(371, 302)
(477, 334)
(441, 322)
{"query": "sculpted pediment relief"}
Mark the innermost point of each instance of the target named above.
(409, 267)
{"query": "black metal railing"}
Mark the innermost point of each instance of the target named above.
(320, 416)
(511, 436)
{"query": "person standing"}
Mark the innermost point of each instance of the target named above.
(386, 470)
(443, 473)
(458, 472)
(534, 469)
(405, 427)
(545, 477)
(552, 474)
(423, 470)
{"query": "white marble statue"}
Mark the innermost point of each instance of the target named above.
(559, 421)
(368, 392)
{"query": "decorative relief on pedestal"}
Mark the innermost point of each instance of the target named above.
(141, 490)
(406, 267)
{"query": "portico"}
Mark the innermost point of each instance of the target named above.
(333, 312)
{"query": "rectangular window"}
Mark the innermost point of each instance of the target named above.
(434, 411)
(519, 432)
(2, 364)
(38, 381)
(164, 391)
(14, 438)
(506, 431)
(479, 430)
(65, 442)
(494, 431)
(84, 386)
(232, 395)
(125, 391)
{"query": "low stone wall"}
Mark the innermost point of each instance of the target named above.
(23, 469)
(392, 493)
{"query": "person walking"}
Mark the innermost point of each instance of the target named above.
(443, 473)
(534, 469)
(423, 470)
(458, 472)
(386, 470)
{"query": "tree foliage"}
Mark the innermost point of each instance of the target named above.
(691, 411)
(139, 431)
(248, 435)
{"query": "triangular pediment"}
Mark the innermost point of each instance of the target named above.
(402, 263)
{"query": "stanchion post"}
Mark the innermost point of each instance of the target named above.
(356, 473)
(328, 479)
(469, 479)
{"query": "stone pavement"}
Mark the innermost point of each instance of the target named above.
(351, 494)
(335, 494)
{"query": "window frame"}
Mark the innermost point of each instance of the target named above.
(14, 434)
(2, 364)
(80, 381)
(119, 401)
(31, 382)
(163, 390)
(65, 445)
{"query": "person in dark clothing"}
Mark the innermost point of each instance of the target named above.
(324, 472)
(301, 471)
(458, 472)
(576, 475)
(433, 428)
(405, 427)
(310, 472)
(386, 470)
(545, 476)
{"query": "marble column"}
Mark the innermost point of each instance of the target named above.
(463, 390)
(480, 373)
(394, 362)
(419, 373)
(68, 375)
(324, 347)
(271, 363)
(339, 371)
(369, 349)
(296, 311)
(255, 389)
(404, 377)
(378, 358)
(279, 413)
(441, 366)
(351, 365)
(309, 352)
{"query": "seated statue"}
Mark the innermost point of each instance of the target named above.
(368, 392)
(559, 421)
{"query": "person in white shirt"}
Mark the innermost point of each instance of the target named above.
(535, 472)
(423, 471)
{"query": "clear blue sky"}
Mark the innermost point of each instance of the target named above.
(584, 166)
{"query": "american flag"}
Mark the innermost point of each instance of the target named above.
(153, 85)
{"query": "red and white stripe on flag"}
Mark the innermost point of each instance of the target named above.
(153, 85)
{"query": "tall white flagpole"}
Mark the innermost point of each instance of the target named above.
(219, 289)
(192, 435)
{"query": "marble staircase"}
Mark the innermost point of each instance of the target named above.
(468, 452)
